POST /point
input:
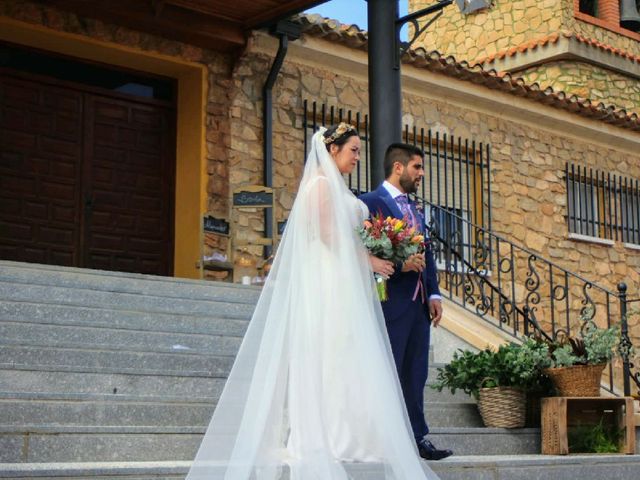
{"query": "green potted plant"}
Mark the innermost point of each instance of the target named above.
(575, 363)
(498, 379)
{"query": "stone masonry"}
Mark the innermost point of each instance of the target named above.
(586, 81)
(518, 23)
(528, 185)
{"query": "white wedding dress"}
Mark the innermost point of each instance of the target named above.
(313, 390)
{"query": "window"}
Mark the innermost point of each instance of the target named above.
(603, 205)
(630, 215)
(583, 208)
(590, 7)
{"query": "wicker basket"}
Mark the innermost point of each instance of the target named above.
(577, 380)
(502, 407)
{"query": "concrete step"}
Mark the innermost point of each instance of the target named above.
(36, 408)
(487, 441)
(452, 414)
(84, 379)
(70, 315)
(56, 443)
(538, 467)
(502, 467)
(22, 333)
(86, 279)
(114, 361)
(31, 410)
(97, 470)
(97, 444)
(123, 301)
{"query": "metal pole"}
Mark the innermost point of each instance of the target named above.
(385, 101)
(624, 339)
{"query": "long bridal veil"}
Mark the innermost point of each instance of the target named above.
(313, 393)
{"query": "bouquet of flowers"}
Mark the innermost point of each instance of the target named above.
(390, 239)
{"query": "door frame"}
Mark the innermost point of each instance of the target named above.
(192, 88)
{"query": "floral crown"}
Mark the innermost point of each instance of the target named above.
(340, 131)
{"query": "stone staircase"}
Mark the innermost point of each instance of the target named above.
(111, 375)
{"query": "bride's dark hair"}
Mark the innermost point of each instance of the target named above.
(339, 135)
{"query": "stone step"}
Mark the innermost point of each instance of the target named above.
(112, 361)
(36, 408)
(534, 467)
(83, 379)
(487, 441)
(452, 414)
(86, 279)
(55, 443)
(97, 470)
(91, 380)
(33, 410)
(502, 467)
(23, 333)
(123, 301)
(71, 315)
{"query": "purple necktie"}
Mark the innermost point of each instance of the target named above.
(403, 203)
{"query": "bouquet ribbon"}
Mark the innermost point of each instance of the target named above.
(419, 288)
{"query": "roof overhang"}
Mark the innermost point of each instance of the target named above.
(564, 47)
(220, 25)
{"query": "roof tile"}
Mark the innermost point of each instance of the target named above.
(354, 37)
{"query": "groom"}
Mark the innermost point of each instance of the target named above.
(414, 298)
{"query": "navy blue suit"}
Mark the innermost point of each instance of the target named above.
(407, 321)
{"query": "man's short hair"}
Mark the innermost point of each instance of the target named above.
(399, 152)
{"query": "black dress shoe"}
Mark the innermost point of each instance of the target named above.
(429, 452)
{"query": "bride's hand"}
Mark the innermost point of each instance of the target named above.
(380, 266)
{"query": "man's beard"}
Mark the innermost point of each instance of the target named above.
(408, 185)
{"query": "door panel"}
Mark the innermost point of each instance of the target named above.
(129, 170)
(40, 159)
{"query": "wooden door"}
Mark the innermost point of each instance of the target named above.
(40, 165)
(128, 186)
(86, 179)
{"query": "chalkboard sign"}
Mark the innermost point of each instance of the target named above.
(252, 197)
(216, 225)
(281, 226)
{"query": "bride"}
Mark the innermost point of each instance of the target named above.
(314, 390)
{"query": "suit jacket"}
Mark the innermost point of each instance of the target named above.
(402, 286)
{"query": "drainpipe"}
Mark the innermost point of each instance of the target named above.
(285, 30)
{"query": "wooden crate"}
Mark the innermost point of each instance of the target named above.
(561, 413)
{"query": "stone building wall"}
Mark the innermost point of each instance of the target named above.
(527, 174)
(586, 81)
(510, 23)
(507, 23)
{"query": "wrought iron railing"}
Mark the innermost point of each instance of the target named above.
(520, 292)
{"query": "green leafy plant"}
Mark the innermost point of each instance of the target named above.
(599, 438)
(592, 346)
(511, 365)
